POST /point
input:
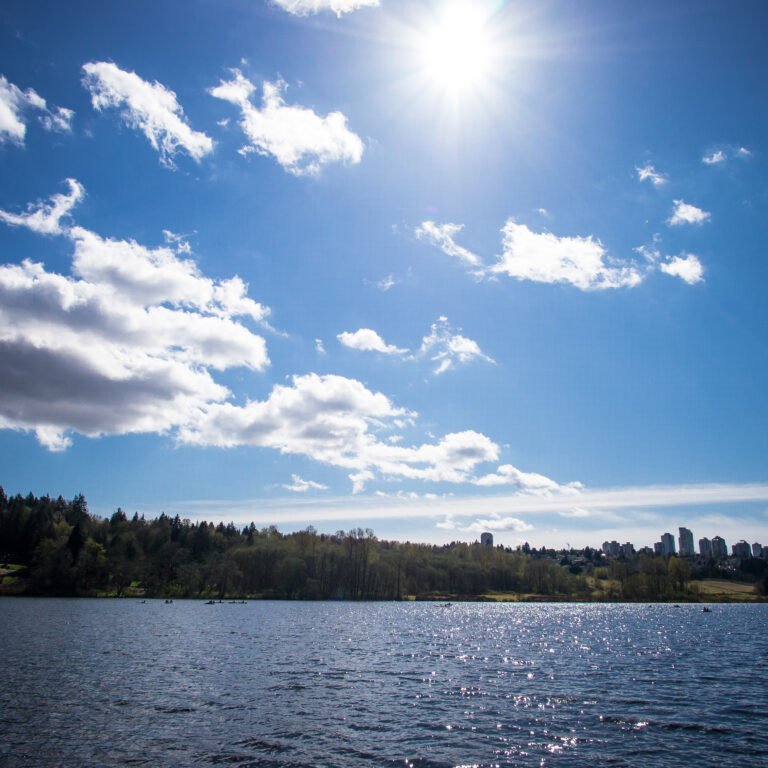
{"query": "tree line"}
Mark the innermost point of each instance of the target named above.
(65, 550)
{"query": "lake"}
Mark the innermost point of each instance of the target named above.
(307, 685)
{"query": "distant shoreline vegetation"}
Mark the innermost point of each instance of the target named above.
(55, 547)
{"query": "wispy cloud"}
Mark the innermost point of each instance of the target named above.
(722, 155)
(640, 514)
(299, 139)
(148, 107)
(448, 349)
(649, 173)
(442, 235)
(15, 104)
(685, 213)
(299, 485)
(45, 218)
(442, 345)
(339, 7)
(386, 283)
(715, 158)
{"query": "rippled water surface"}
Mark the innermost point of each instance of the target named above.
(289, 685)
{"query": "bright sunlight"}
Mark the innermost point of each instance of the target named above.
(456, 52)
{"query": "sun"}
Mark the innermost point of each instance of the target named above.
(456, 50)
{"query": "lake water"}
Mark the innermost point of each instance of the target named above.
(295, 685)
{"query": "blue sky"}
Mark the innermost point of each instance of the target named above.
(426, 267)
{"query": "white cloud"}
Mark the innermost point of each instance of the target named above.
(448, 349)
(687, 268)
(684, 213)
(441, 345)
(126, 344)
(649, 173)
(299, 485)
(715, 158)
(45, 218)
(319, 347)
(306, 7)
(546, 258)
(743, 152)
(543, 212)
(298, 138)
(148, 107)
(442, 236)
(497, 524)
(14, 103)
(368, 340)
(337, 421)
(526, 482)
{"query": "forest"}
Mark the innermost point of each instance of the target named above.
(56, 547)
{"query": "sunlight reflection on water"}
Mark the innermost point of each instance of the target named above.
(115, 682)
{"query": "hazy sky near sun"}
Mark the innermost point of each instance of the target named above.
(426, 267)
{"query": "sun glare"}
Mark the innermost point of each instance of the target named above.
(456, 50)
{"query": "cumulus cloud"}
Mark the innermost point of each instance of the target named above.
(45, 218)
(442, 235)
(685, 213)
(127, 343)
(649, 173)
(686, 267)
(339, 7)
(449, 349)
(147, 107)
(339, 422)
(319, 347)
(525, 482)
(300, 140)
(546, 258)
(368, 340)
(14, 105)
(299, 485)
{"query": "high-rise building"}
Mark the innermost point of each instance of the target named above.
(719, 548)
(611, 548)
(657, 548)
(705, 547)
(628, 550)
(667, 544)
(686, 542)
(741, 549)
(757, 550)
(486, 539)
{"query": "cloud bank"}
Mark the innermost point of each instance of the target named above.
(127, 343)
